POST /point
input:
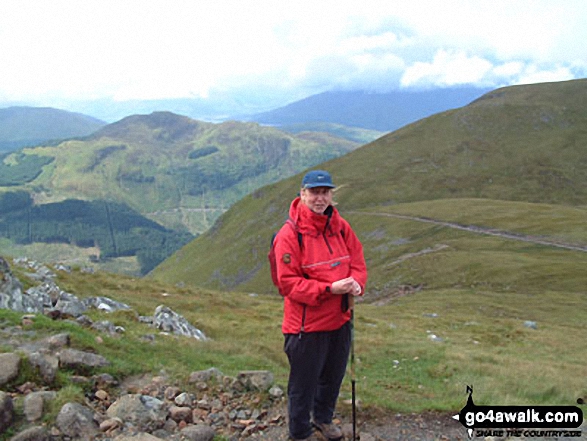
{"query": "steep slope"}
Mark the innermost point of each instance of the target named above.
(30, 126)
(523, 146)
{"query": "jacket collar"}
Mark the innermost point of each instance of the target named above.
(309, 222)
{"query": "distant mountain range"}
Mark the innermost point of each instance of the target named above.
(377, 112)
(384, 112)
(31, 126)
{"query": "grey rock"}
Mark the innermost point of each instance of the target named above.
(6, 411)
(9, 367)
(169, 321)
(35, 433)
(76, 421)
(108, 327)
(69, 304)
(146, 412)
(199, 432)
(141, 436)
(75, 359)
(46, 364)
(276, 392)
(259, 380)
(205, 375)
(35, 403)
(11, 295)
(105, 304)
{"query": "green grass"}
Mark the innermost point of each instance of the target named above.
(485, 342)
(482, 288)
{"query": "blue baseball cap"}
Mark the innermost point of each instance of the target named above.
(317, 178)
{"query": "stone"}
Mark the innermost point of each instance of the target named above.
(35, 403)
(76, 421)
(46, 364)
(147, 413)
(110, 424)
(180, 413)
(184, 399)
(276, 392)
(68, 304)
(9, 367)
(205, 375)
(6, 411)
(105, 304)
(256, 380)
(142, 436)
(167, 320)
(35, 433)
(199, 432)
(74, 358)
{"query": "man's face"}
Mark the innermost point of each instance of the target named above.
(317, 199)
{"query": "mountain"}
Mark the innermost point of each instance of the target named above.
(30, 126)
(171, 169)
(514, 159)
(383, 112)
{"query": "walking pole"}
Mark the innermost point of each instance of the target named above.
(353, 380)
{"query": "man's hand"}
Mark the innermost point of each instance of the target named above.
(346, 286)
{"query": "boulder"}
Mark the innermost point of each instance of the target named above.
(143, 411)
(169, 321)
(9, 367)
(46, 364)
(35, 403)
(77, 421)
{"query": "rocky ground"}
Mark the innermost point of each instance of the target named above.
(149, 408)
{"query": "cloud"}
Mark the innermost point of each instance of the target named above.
(446, 69)
(135, 49)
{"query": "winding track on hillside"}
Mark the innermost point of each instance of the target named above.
(479, 230)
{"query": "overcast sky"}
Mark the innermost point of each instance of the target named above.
(54, 51)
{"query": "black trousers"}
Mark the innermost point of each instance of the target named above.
(317, 363)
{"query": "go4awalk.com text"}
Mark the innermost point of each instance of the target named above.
(520, 421)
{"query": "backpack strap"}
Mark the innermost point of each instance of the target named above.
(295, 227)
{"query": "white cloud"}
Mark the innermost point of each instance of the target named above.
(447, 69)
(136, 49)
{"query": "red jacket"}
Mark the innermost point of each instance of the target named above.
(329, 251)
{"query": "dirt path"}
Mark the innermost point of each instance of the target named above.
(481, 230)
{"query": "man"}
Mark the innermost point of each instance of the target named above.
(320, 265)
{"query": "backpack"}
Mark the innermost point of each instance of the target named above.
(273, 258)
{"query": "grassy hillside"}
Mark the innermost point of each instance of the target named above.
(180, 172)
(446, 307)
(524, 145)
(30, 126)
